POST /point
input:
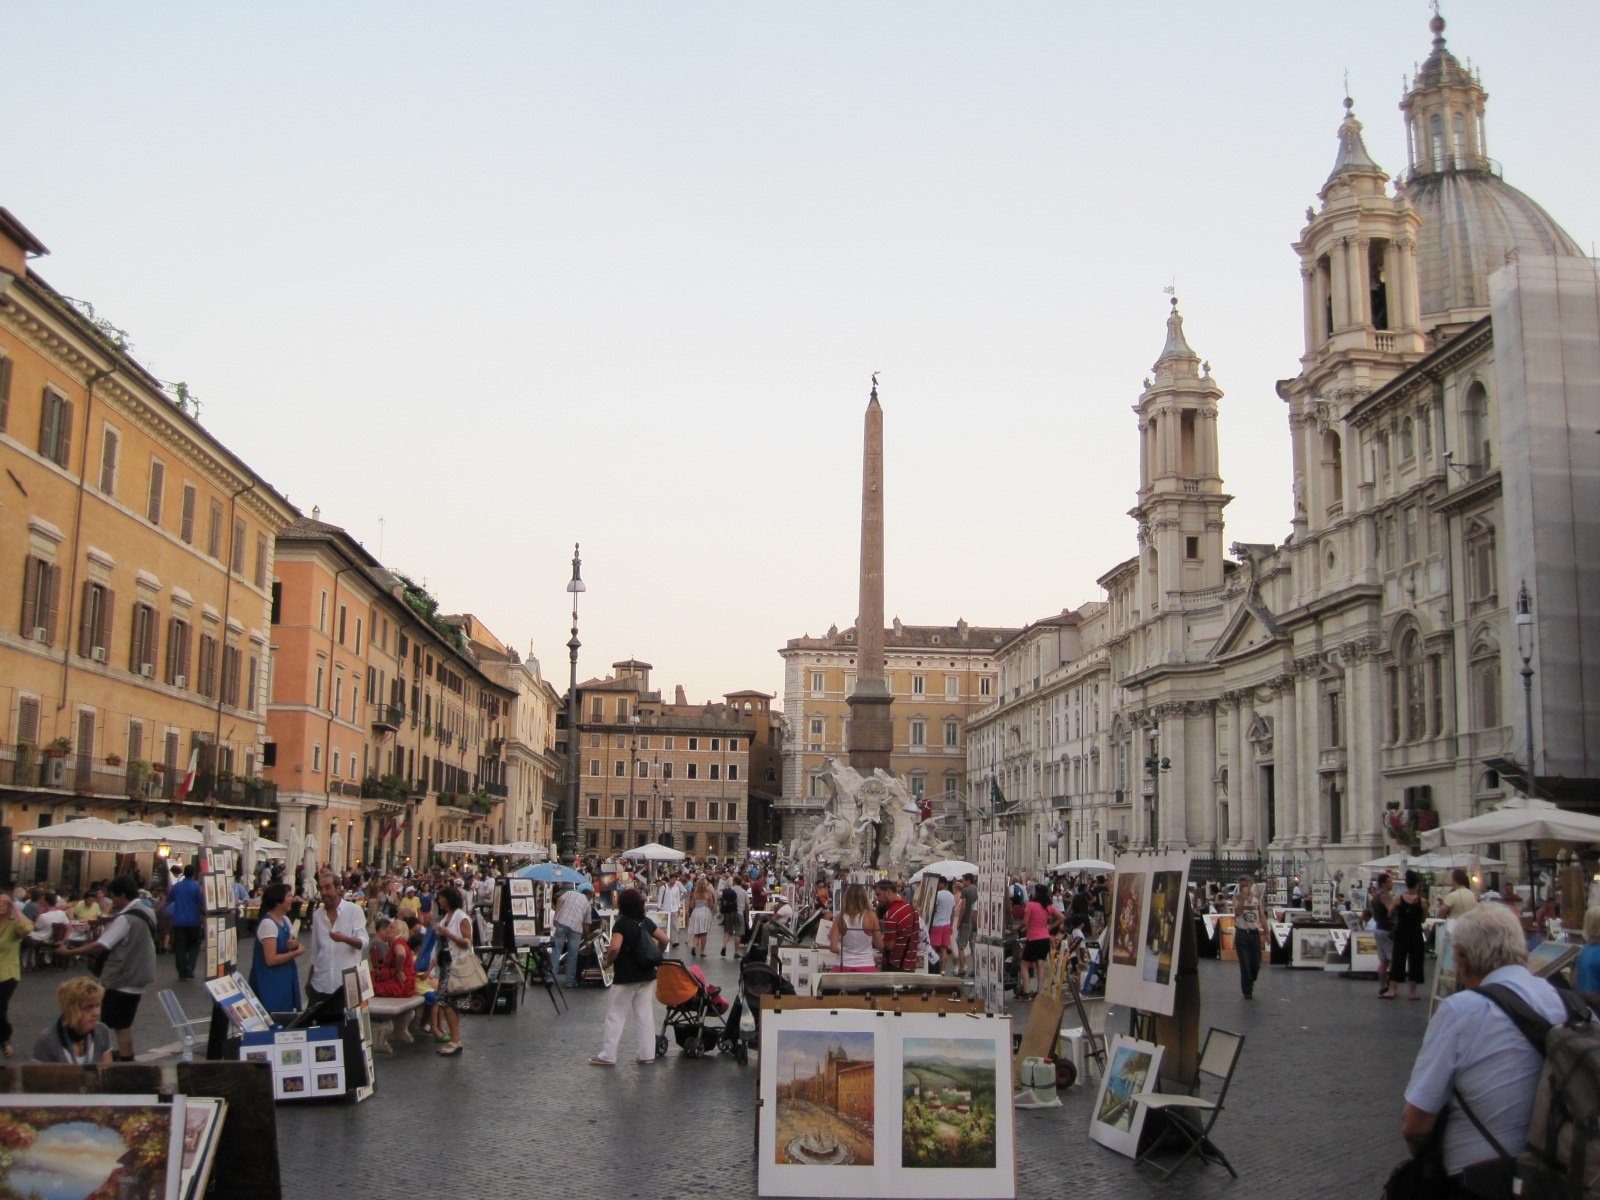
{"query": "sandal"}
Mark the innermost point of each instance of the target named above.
(601, 1062)
(451, 1050)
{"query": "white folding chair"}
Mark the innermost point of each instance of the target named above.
(1190, 1117)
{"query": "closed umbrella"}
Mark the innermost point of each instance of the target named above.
(312, 862)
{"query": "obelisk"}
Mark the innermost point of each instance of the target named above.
(871, 728)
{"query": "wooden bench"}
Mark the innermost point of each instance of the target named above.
(392, 1016)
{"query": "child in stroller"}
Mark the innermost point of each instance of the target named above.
(696, 1011)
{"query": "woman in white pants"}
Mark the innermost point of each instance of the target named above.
(633, 986)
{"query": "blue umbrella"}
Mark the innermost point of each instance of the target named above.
(553, 872)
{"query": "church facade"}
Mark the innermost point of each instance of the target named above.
(1307, 706)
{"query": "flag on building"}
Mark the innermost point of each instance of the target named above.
(186, 784)
(997, 798)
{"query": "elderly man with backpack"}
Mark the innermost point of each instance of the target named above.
(1473, 1090)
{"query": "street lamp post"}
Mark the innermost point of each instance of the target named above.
(1525, 649)
(569, 805)
(633, 770)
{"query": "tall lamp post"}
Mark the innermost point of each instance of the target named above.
(633, 770)
(569, 804)
(1525, 649)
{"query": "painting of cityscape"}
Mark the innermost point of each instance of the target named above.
(825, 1098)
(948, 1099)
(1118, 1118)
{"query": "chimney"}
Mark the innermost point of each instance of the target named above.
(678, 696)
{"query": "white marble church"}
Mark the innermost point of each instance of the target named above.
(1291, 703)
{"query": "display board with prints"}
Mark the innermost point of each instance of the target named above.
(990, 928)
(221, 921)
(514, 913)
(1149, 907)
(1322, 900)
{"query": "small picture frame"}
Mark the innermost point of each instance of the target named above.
(326, 1053)
(330, 1081)
(521, 887)
(290, 1085)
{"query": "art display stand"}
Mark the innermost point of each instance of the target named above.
(861, 1100)
(316, 1062)
(988, 949)
(246, 1165)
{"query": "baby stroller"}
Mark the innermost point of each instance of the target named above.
(696, 1011)
(756, 979)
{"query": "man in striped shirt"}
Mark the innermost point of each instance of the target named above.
(902, 928)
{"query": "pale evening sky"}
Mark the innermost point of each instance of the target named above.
(511, 276)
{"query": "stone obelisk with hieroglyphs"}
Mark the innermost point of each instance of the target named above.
(871, 727)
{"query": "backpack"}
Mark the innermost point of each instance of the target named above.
(729, 902)
(1562, 1157)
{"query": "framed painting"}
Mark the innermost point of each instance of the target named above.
(1309, 948)
(862, 1103)
(1363, 952)
(203, 1117)
(1117, 1119)
(88, 1146)
(1227, 946)
(1150, 907)
(521, 887)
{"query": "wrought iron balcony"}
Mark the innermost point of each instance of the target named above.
(388, 717)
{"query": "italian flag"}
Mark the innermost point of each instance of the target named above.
(187, 784)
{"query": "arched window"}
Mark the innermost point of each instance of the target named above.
(1408, 706)
(1436, 130)
(1482, 579)
(1485, 683)
(1408, 442)
(1333, 468)
(1475, 431)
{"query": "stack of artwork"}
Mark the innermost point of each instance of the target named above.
(858, 1103)
(102, 1146)
(221, 924)
(1148, 911)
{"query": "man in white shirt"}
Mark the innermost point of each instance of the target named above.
(572, 926)
(338, 940)
(483, 891)
(670, 898)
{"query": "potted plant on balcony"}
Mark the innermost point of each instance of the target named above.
(59, 748)
(138, 771)
(394, 786)
(113, 760)
(254, 788)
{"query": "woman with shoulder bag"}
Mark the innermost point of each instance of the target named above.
(460, 969)
(633, 990)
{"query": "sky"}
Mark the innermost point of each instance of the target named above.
(481, 281)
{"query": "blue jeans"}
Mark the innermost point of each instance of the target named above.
(566, 942)
(1247, 942)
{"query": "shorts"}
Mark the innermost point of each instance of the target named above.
(1036, 950)
(1385, 938)
(117, 1009)
(732, 923)
(965, 935)
(939, 937)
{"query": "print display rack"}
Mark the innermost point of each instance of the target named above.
(221, 920)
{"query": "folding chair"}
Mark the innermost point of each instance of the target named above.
(1192, 1116)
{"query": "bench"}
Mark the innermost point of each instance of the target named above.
(392, 1016)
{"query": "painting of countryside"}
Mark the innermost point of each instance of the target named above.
(948, 1096)
(825, 1099)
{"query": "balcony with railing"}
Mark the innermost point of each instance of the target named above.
(498, 790)
(445, 736)
(388, 717)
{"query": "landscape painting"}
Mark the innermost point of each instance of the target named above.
(948, 1100)
(826, 1083)
(1118, 1118)
(61, 1148)
(1126, 920)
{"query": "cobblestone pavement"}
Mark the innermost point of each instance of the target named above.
(1314, 1110)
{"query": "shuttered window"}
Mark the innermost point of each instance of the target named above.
(135, 741)
(94, 622)
(109, 443)
(206, 685)
(28, 719)
(253, 684)
(214, 531)
(142, 644)
(158, 482)
(41, 599)
(178, 646)
(261, 560)
(238, 546)
(55, 427)
(5, 392)
(230, 675)
(186, 530)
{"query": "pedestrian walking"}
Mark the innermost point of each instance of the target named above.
(633, 983)
(13, 928)
(1249, 933)
(1409, 912)
(700, 903)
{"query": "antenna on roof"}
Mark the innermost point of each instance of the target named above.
(380, 537)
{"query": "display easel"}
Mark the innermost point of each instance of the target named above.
(513, 923)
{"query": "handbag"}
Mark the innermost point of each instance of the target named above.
(1422, 1176)
(647, 951)
(466, 973)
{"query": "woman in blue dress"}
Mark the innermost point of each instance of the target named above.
(273, 973)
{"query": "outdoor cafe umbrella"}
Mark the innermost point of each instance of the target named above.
(1097, 865)
(654, 852)
(1518, 820)
(1389, 862)
(1442, 860)
(93, 833)
(947, 868)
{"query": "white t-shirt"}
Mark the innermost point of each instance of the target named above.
(44, 927)
(943, 907)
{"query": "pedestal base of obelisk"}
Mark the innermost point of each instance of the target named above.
(871, 731)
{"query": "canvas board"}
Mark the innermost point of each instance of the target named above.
(863, 1103)
(1149, 906)
(67, 1147)
(1363, 952)
(203, 1117)
(1132, 1066)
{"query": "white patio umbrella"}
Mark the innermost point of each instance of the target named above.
(1389, 862)
(93, 833)
(530, 850)
(1444, 860)
(1518, 820)
(947, 868)
(268, 849)
(1098, 865)
(655, 852)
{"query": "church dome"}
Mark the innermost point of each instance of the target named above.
(1472, 220)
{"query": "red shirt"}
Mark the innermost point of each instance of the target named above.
(395, 973)
(902, 935)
